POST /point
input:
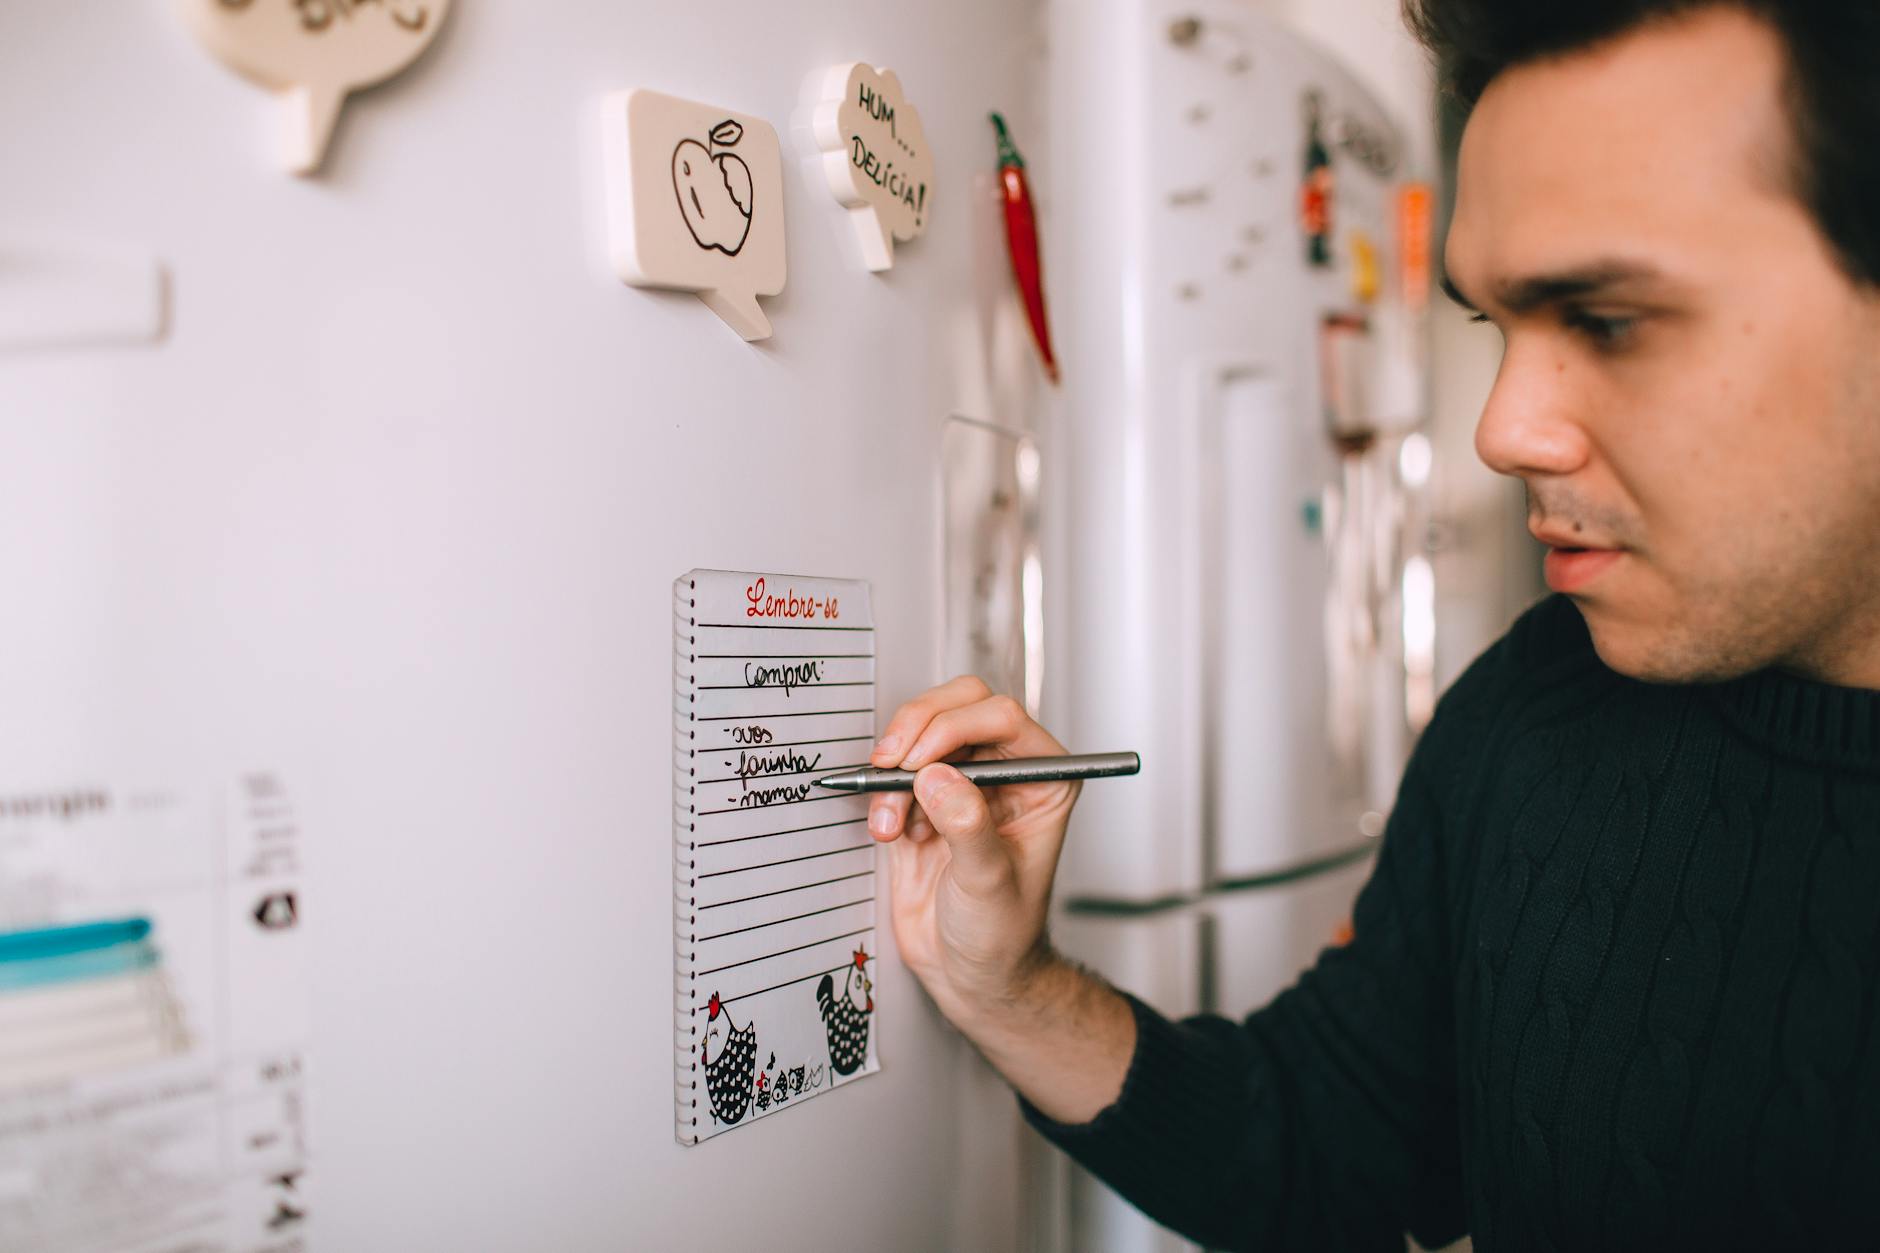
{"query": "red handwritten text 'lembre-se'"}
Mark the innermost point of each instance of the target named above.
(788, 605)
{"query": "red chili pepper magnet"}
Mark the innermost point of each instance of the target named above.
(1021, 237)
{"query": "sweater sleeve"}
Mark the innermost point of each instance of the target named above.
(1327, 1119)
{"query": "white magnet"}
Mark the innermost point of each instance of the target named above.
(875, 158)
(695, 203)
(57, 292)
(313, 53)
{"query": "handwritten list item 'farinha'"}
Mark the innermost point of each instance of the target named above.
(773, 687)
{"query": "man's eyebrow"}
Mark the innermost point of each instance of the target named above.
(1455, 293)
(1522, 295)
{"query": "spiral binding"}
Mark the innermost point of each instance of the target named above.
(684, 858)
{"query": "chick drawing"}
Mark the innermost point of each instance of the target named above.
(846, 1016)
(730, 1056)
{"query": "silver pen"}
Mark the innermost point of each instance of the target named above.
(994, 773)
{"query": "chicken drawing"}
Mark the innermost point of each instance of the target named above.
(730, 1056)
(846, 1017)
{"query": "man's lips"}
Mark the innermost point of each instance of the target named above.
(1571, 569)
(1554, 537)
(1574, 559)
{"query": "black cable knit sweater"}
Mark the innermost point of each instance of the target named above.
(1613, 986)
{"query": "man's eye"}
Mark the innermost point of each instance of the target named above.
(1604, 332)
(1478, 318)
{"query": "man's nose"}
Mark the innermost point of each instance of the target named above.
(1530, 425)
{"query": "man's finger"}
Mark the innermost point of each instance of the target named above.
(998, 721)
(917, 828)
(958, 812)
(912, 870)
(887, 814)
(912, 718)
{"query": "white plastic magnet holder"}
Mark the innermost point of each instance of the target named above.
(875, 158)
(313, 53)
(73, 293)
(695, 203)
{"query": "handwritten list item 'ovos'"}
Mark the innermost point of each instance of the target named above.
(774, 908)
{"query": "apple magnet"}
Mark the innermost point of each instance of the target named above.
(695, 203)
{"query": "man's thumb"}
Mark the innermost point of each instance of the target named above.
(959, 813)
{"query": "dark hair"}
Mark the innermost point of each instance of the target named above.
(1833, 85)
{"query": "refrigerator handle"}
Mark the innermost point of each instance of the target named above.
(1031, 577)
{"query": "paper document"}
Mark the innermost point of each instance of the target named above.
(774, 687)
(153, 1020)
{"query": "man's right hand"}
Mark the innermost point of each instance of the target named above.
(971, 870)
(971, 876)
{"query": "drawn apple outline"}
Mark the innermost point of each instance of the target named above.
(714, 188)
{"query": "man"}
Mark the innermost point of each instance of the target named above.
(1614, 976)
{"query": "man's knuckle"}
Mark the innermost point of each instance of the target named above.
(910, 722)
(957, 807)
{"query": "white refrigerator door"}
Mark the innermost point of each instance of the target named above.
(396, 502)
(1193, 523)
(1264, 938)
(1159, 958)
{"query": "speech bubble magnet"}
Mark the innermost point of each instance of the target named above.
(695, 202)
(875, 158)
(313, 53)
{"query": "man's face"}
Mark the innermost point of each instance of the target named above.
(1691, 386)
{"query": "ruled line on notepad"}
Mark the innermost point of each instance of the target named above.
(759, 926)
(846, 935)
(751, 809)
(840, 739)
(765, 835)
(814, 974)
(801, 887)
(774, 626)
(802, 713)
(766, 865)
(786, 656)
(779, 687)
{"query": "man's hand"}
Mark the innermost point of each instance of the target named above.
(969, 906)
(971, 873)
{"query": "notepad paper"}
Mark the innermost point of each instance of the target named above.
(774, 687)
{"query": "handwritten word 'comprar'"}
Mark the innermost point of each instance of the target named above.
(789, 605)
(786, 677)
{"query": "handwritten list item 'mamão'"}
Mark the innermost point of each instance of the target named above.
(773, 687)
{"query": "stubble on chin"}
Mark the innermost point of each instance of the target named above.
(1714, 631)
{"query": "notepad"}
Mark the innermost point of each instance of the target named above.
(773, 687)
